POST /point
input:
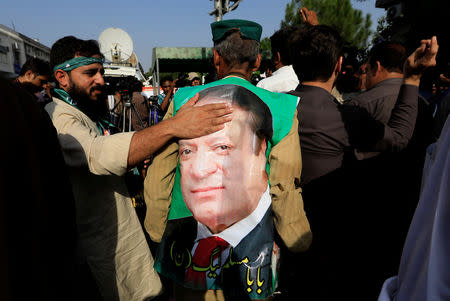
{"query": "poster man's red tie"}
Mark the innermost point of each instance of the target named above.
(207, 251)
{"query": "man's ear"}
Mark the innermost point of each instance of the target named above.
(378, 67)
(29, 75)
(216, 60)
(63, 78)
(276, 58)
(257, 63)
(373, 68)
(339, 65)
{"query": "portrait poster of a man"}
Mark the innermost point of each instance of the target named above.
(220, 236)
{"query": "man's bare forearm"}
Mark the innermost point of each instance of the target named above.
(190, 122)
(144, 143)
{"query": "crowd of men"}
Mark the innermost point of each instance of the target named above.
(312, 175)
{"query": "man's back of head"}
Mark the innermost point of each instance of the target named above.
(315, 51)
(237, 44)
(385, 61)
(280, 46)
(391, 56)
(237, 50)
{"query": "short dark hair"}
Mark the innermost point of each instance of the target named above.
(266, 64)
(280, 43)
(237, 50)
(391, 56)
(315, 50)
(195, 78)
(37, 66)
(261, 118)
(68, 47)
(165, 79)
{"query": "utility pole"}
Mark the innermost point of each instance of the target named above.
(221, 7)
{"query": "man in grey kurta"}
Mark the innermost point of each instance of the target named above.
(111, 239)
(383, 80)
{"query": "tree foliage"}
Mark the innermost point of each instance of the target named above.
(265, 48)
(384, 31)
(353, 26)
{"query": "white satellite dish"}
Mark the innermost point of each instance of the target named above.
(115, 44)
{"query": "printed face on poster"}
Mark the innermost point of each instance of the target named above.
(222, 179)
(223, 175)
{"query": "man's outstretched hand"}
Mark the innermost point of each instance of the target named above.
(195, 121)
(421, 59)
(309, 16)
(190, 122)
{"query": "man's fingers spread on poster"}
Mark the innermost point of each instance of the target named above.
(223, 107)
(221, 120)
(192, 101)
(221, 113)
(214, 129)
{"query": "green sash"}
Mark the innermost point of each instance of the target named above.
(282, 107)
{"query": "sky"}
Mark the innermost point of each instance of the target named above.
(150, 23)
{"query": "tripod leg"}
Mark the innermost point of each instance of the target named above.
(124, 116)
(138, 116)
(129, 119)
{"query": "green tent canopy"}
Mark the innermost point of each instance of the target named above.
(180, 59)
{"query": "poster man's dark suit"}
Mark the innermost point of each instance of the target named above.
(247, 270)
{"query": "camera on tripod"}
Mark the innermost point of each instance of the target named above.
(122, 89)
(126, 96)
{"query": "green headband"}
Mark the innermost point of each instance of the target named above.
(77, 62)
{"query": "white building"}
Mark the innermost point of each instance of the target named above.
(16, 48)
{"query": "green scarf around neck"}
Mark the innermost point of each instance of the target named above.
(103, 125)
